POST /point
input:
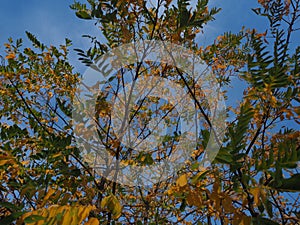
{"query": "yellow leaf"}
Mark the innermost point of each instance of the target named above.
(104, 201)
(227, 203)
(221, 66)
(194, 199)
(56, 155)
(6, 161)
(70, 215)
(53, 210)
(84, 212)
(256, 194)
(246, 220)
(7, 45)
(48, 195)
(182, 180)
(113, 205)
(92, 221)
(117, 209)
(67, 217)
(50, 94)
(25, 163)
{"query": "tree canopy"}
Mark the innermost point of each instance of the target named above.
(48, 158)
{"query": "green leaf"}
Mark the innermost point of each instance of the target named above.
(10, 206)
(83, 14)
(289, 184)
(224, 156)
(238, 132)
(184, 18)
(263, 221)
(35, 41)
(11, 218)
(33, 219)
(113, 205)
(269, 208)
(183, 205)
(199, 176)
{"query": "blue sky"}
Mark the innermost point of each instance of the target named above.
(52, 21)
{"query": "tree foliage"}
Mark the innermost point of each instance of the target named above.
(255, 177)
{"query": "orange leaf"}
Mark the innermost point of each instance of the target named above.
(182, 180)
(11, 56)
(92, 221)
(6, 161)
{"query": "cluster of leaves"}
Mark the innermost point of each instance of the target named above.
(36, 170)
(254, 178)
